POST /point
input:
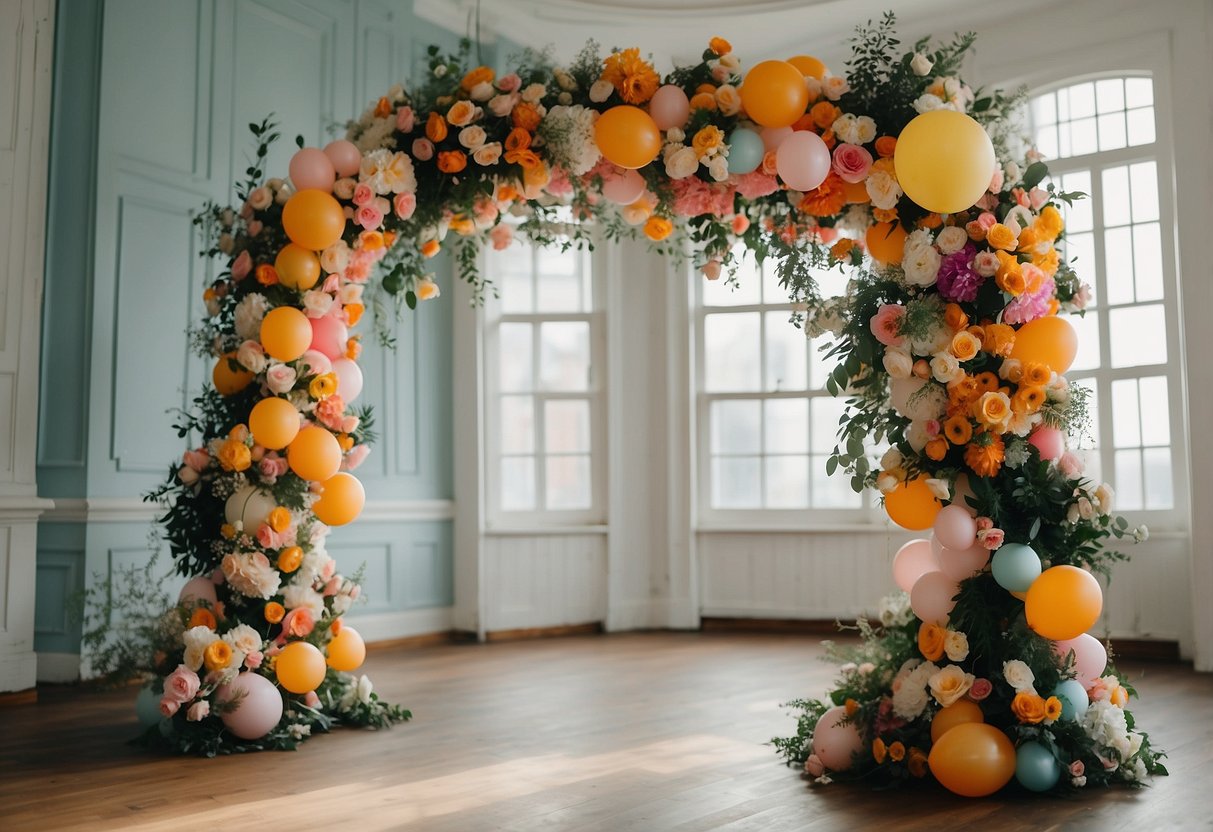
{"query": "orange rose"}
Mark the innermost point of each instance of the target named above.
(479, 75)
(526, 116)
(707, 140)
(917, 762)
(266, 274)
(535, 173)
(897, 752)
(993, 410)
(435, 128)
(518, 139)
(353, 348)
(322, 386)
(962, 391)
(234, 455)
(720, 46)
(824, 114)
(998, 339)
(353, 313)
(452, 161)
(218, 655)
(1000, 236)
(884, 214)
(965, 346)
(345, 440)
(959, 431)
(203, 617)
(937, 448)
(1028, 399)
(1028, 708)
(1049, 224)
(658, 228)
(885, 146)
(1027, 241)
(703, 101)
(463, 225)
(851, 707)
(290, 559)
(1047, 261)
(880, 751)
(985, 455)
(274, 612)
(1119, 696)
(955, 317)
(1009, 276)
(931, 639)
(279, 519)
(430, 247)
(842, 249)
(1036, 374)
(930, 221)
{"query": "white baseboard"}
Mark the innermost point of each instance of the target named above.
(385, 626)
(653, 614)
(18, 671)
(58, 667)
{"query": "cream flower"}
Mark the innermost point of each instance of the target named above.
(487, 154)
(920, 264)
(949, 684)
(945, 368)
(920, 64)
(952, 239)
(473, 138)
(882, 189)
(335, 258)
(956, 644)
(248, 315)
(243, 638)
(1019, 676)
(835, 87)
(196, 640)
(252, 356)
(601, 90)
(682, 163)
(728, 100)
(251, 574)
(898, 363)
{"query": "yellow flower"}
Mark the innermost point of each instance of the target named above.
(290, 558)
(1028, 399)
(1052, 709)
(234, 455)
(1028, 708)
(1047, 261)
(203, 617)
(1009, 276)
(959, 431)
(1001, 236)
(965, 345)
(279, 519)
(1035, 374)
(1049, 224)
(426, 289)
(993, 410)
(323, 386)
(708, 140)
(227, 530)
(998, 339)
(658, 228)
(217, 655)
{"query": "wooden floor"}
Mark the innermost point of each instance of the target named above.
(606, 733)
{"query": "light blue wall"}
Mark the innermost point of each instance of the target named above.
(152, 102)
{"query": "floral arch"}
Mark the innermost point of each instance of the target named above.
(949, 350)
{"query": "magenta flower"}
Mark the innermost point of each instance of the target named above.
(957, 280)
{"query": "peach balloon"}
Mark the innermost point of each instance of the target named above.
(198, 589)
(274, 422)
(1090, 657)
(912, 561)
(933, 597)
(955, 528)
(886, 242)
(349, 378)
(809, 66)
(314, 454)
(961, 564)
(973, 759)
(773, 93)
(1063, 603)
(310, 167)
(229, 382)
(346, 651)
(285, 333)
(961, 712)
(341, 500)
(345, 157)
(297, 267)
(258, 705)
(911, 505)
(329, 336)
(627, 136)
(313, 219)
(834, 742)
(1049, 340)
(624, 188)
(669, 108)
(300, 667)
(1050, 441)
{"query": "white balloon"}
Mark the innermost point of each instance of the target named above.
(249, 506)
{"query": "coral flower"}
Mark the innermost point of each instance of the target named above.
(985, 454)
(632, 76)
(827, 199)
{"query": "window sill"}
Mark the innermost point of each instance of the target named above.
(540, 531)
(816, 528)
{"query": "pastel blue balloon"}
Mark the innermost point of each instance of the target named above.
(1074, 699)
(1036, 768)
(745, 150)
(1015, 567)
(147, 707)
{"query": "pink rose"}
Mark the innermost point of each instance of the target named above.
(996, 181)
(198, 711)
(197, 460)
(886, 324)
(255, 227)
(298, 623)
(241, 266)
(985, 263)
(851, 162)
(355, 457)
(254, 659)
(369, 217)
(984, 523)
(986, 220)
(502, 105)
(1021, 197)
(501, 235)
(1082, 297)
(740, 224)
(990, 538)
(813, 766)
(932, 427)
(509, 83)
(363, 195)
(181, 685)
(311, 700)
(349, 424)
(988, 202)
(332, 587)
(330, 567)
(168, 707)
(423, 150)
(1077, 768)
(405, 205)
(271, 539)
(1070, 464)
(280, 378)
(272, 466)
(980, 689)
(331, 284)
(330, 412)
(1037, 197)
(406, 119)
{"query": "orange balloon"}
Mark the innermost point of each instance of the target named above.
(1050, 340)
(1063, 603)
(227, 381)
(627, 136)
(314, 454)
(809, 66)
(341, 500)
(297, 267)
(973, 759)
(773, 93)
(856, 193)
(274, 423)
(961, 712)
(912, 506)
(347, 651)
(886, 242)
(313, 219)
(300, 667)
(286, 333)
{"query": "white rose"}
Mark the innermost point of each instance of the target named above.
(248, 315)
(1104, 495)
(472, 137)
(534, 92)
(295, 596)
(244, 638)
(440, 71)
(835, 87)
(565, 81)
(950, 684)
(813, 86)
(921, 265)
(920, 64)
(898, 363)
(943, 491)
(252, 356)
(344, 187)
(916, 434)
(196, 640)
(280, 378)
(718, 168)
(865, 129)
(1011, 169)
(1019, 676)
(882, 189)
(482, 91)
(1011, 370)
(365, 688)
(886, 483)
(675, 135)
(952, 239)
(335, 258)
(601, 90)
(956, 644)
(1085, 509)
(283, 194)
(892, 459)
(945, 368)
(846, 129)
(682, 163)
(251, 574)
(316, 304)
(926, 103)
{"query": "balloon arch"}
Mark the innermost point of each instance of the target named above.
(948, 345)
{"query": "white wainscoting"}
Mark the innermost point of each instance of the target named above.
(543, 580)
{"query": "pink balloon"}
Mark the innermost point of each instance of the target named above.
(959, 564)
(836, 743)
(931, 597)
(345, 157)
(316, 363)
(803, 161)
(1050, 441)
(329, 336)
(625, 188)
(1090, 657)
(773, 137)
(311, 168)
(258, 711)
(349, 378)
(198, 589)
(955, 528)
(669, 107)
(912, 561)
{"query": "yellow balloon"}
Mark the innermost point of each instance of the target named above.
(314, 454)
(286, 333)
(300, 667)
(886, 242)
(274, 423)
(313, 219)
(809, 66)
(912, 506)
(944, 161)
(961, 712)
(341, 500)
(346, 651)
(1063, 603)
(627, 136)
(973, 759)
(773, 93)
(227, 381)
(1050, 340)
(297, 267)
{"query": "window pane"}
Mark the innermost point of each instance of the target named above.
(564, 355)
(787, 354)
(827, 410)
(1139, 92)
(1079, 216)
(1126, 420)
(1044, 109)
(1112, 131)
(1110, 95)
(1157, 469)
(1118, 264)
(1080, 254)
(515, 283)
(517, 425)
(787, 484)
(787, 427)
(1144, 178)
(1147, 261)
(736, 426)
(772, 292)
(1083, 137)
(736, 482)
(1141, 126)
(1128, 480)
(731, 352)
(1046, 142)
(518, 483)
(1082, 100)
(1138, 336)
(568, 482)
(1155, 419)
(566, 426)
(746, 291)
(515, 360)
(562, 284)
(820, 367)
(1116, 196)
(831, 492)
(1087, 328)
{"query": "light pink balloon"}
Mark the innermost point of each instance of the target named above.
(311, 168)
(198, 589)
(912, 561)
(1090, 657)
(329, 336)
(836, 743)
(773, 137)
(349, 378)
(1050, 441)
(345, 157)
(259, 709)
(316, 363)
(669, 107)
(803, 161)
(955, 528)
(625, 188)
(959, 564)
(931, 597)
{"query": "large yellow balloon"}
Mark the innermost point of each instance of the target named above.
(313, 219)
(297, 267)
(286, 333)
(314, 454)
(627, 136)
(886, 242)
(912, 506)
(1050, 340)
(961, 712)
(346, 651)
(274, 423)
(944, 161)
(809, 66)
(227, 381)
(973, 759)
(1063, 603)
(341, 500)
(773, 93)
(300, 667)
